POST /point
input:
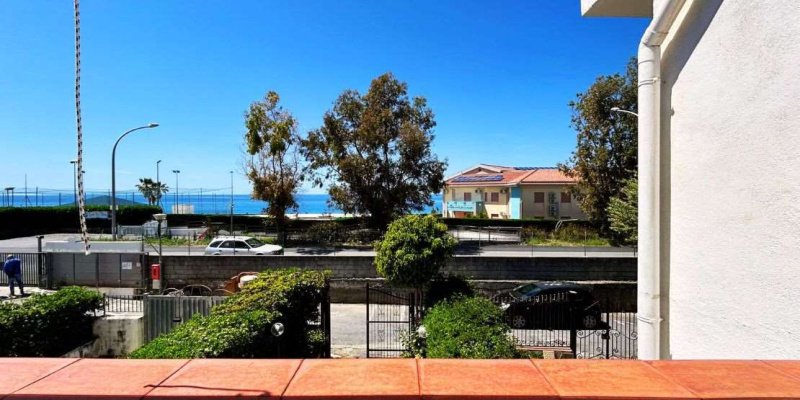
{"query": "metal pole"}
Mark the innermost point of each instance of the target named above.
(232, 203)
(114, 179)
(176, 172)
(158, 186)
(75, 180)
(159, 244)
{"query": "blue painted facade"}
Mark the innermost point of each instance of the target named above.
(515, 202)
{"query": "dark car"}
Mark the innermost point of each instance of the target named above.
(551, 305)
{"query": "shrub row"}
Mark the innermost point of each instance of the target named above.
(240, 327)
(27, 221)
(48, 325)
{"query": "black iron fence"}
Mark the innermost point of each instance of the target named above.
(390, 319)
(32, 265)
(570, 320)
(123, 303)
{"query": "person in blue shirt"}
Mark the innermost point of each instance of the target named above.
(13, 269)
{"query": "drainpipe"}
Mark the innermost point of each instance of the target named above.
(649, 97)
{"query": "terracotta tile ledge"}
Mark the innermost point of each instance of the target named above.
(58, 378)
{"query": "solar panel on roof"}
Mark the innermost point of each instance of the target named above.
(532, 168)
(478, 178)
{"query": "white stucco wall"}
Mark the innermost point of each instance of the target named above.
(731, 181)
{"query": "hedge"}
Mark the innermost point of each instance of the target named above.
(48, 325)
(445, 287)
(240, 327)
(27, 221)
(467, 327)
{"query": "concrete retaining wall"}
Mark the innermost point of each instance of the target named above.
(613, 280)
(213, 271)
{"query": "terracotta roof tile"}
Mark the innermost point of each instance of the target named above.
(548, 175)
(513, 176)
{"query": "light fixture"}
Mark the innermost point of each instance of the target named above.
(277, 329)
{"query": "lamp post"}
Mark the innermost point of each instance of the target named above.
(619, 110)
(114, 179)
(158, 184)
(159, 218)
(75, 181)
(231, 202)
(157, 280)
(176, 172)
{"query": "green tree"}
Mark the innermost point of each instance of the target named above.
(623, 212)
(413, 251)
(605, 155)
(376, 150)
(151, 190)
(273, 166)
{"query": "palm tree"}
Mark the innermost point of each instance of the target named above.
(151, 190)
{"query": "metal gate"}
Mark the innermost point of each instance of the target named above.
(390, 319)
(97, 269)
(552, 321)
(163, 313)
(32, 265)
(617, 340)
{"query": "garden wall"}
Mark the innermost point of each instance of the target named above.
(612, 279)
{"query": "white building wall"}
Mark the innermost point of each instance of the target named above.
(731, 181)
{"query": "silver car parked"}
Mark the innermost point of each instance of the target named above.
(245, 245)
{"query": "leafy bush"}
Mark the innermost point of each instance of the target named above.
(467, 327)
(240, 327)
(48, 325)
(413, 250)
(323, 233)
(446, 288)
(240, 335)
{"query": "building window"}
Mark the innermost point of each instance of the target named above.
(495, 197)
(467, 196)
(485, 197)
(566, 197)
(538, 197)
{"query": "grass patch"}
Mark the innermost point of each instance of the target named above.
(569, 235)
(550, 242)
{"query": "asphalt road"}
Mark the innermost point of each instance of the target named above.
(29, 244)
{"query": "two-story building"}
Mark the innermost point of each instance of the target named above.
(510, 193)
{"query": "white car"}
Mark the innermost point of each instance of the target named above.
(245, 245)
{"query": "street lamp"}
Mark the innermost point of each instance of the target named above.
(75, 180)
(176, 172)
(114, 181)
(619, 110)
(158, 183)
(232, 203)
(159, 218)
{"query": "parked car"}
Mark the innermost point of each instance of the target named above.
(245, 245)
(551, 305)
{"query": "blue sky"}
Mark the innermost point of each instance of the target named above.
(497, 74)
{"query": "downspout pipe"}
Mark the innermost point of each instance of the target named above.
(649, 98)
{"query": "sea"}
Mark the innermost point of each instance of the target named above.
(196, 202)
